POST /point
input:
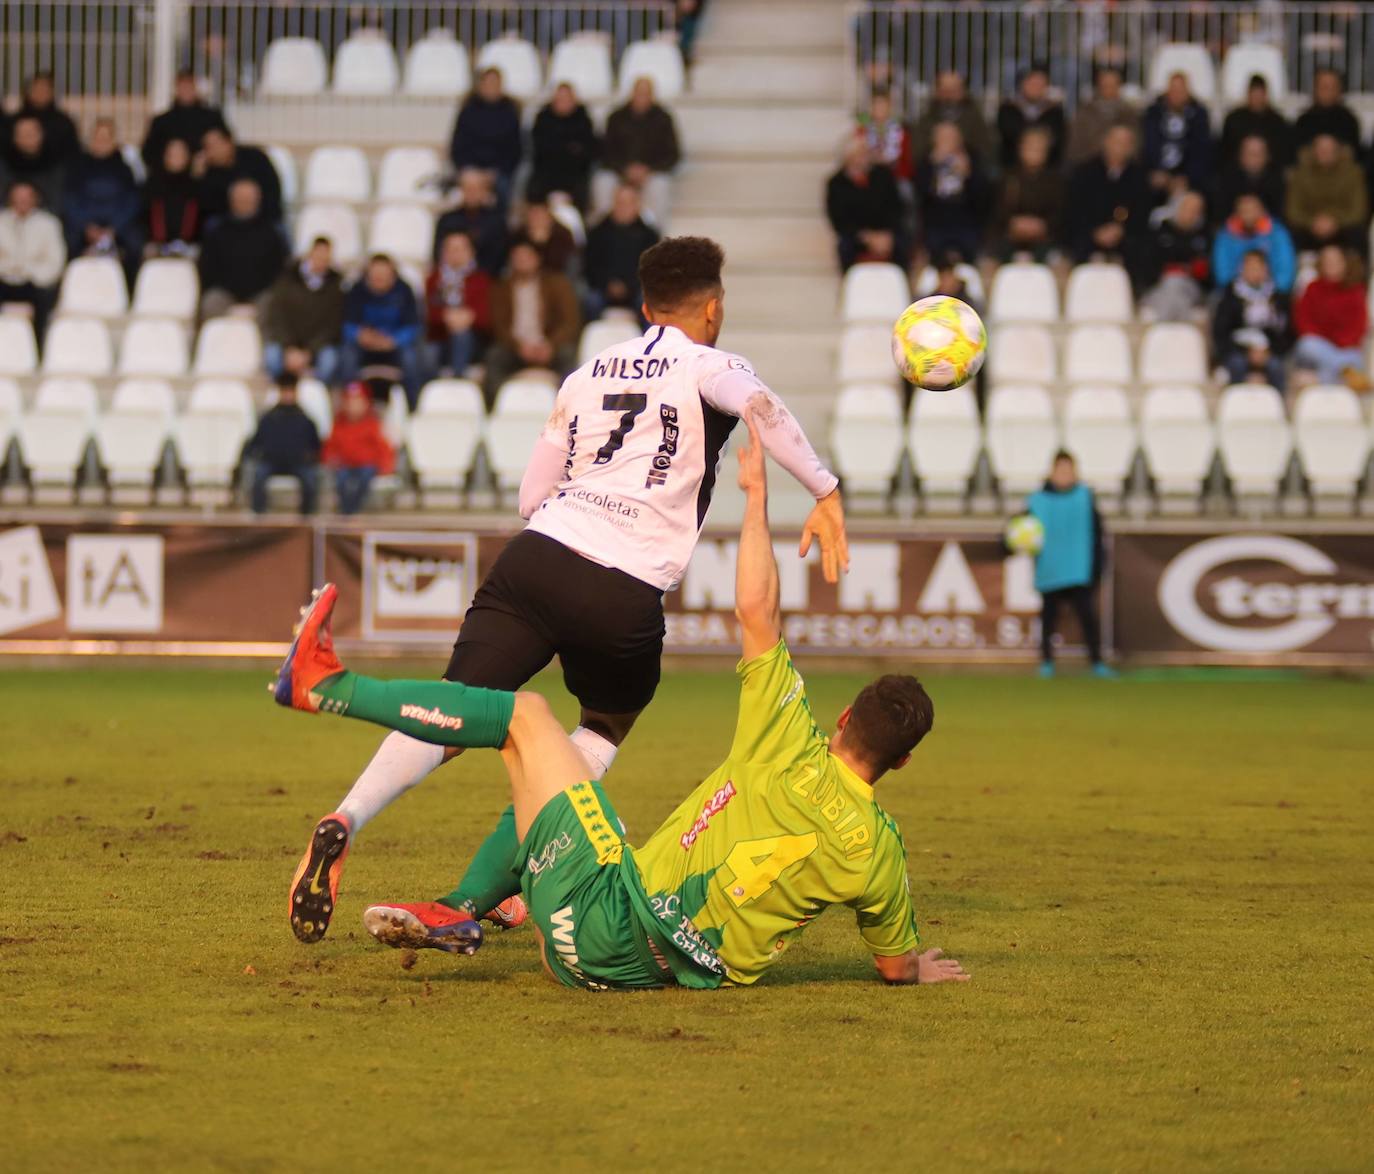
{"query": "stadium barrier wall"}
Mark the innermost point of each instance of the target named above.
(1183, 595)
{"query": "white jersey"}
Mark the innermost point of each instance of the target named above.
(643, 426)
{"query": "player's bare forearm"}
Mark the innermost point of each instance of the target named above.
(756, 570)
(919, 969)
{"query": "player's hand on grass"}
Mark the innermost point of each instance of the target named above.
(933, 966)
(825, 524)
(753, 472)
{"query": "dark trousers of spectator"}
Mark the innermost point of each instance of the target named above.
(1348, 238)
(351, 487)
(307, 475)
(852, 250)
(941, 242)
(41, 298)
(503, 362)
(405, 361)
(1084, 605)
(458, 351)
(1237, 364)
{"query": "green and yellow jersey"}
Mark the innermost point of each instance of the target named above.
(779, 832)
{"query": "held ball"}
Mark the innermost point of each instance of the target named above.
(1024, 534)
(939, 343)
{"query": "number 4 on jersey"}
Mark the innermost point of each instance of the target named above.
(756, 864)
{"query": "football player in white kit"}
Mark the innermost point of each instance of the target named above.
(615, 494)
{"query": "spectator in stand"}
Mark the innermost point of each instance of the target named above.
(613, 250)
(457, 305)
(1180, 260)
(951, 195)
(1031, 200)
(951, 103)
(1178, 139)
(187, 119)
(534, 319)
(887, 139)
(101, 203)
(1327, 199)
(565, 148)
(1254, 170)
(286, 444)
(382, 329)
(59, 131)
(557, 248)
(1257, 117)
(241, 256)
(486, 134)
(223, 162)
(865, 210)
(302, 323)
(357, 449)
(30, 157)
(478, 216)
(1031, 106)
(1252, 326)
(1110, 200)
(32, 254)
(1331, 317)
(1104, 110)
(171, 204)
(640, 148)
(688, 21)
(1251, 228)
(1328, 114)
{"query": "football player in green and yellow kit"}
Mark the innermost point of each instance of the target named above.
(786, 826)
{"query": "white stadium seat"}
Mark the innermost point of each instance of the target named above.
(584, 62)
(366, 64)
(1253, 438)
(522, 406)
(167, 287)
(70, 394)
(450, 397)
(402, 231)
(518, 63)
(607, 332)
(1098, 430)
(866, 355)
(1022, 436)
(874, 291)
(53, 443)
(223, 397)
(338, 173)
(11, 405)
(228, 346)
(1097, 354)
(1022, 353)
(1242, 62)
(944, 439)
(337, 223)
(284, 162)
(866, 437)
(149, 396)
(437, 67)
(1173, 352)
(1193, 60)
(78, 346)
(409, 174)
(1024, 292)
(293, 66)
(1098, 292)
(1331, 440)
(18, 351)
(130, 444)
(660, 62)
(443, 435)
(1178, 439)
(94, 287)
(154, 346)
(208, 445)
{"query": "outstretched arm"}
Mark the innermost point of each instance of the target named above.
(756, 570)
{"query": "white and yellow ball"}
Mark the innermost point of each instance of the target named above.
(939, 343)
(1025, 534)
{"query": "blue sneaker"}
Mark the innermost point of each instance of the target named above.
(1046, 669)
(1105, 672)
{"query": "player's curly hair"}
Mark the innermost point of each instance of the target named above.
(679, 269)
(888, 719)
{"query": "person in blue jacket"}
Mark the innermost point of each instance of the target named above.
(1248, 229)
(381, 329)
(1070, 561)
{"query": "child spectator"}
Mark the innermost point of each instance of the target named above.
(1031, 200)
(171, 204)
(286, 444)
(1031, 107)
(457, 304)
(1251, 327)
(1251, 229)
(951, 194)
(1327, 200)
(1070, 562)
(303, 321)
(357, 450)
(1331, 316)
(1181, 261)
(382, 327)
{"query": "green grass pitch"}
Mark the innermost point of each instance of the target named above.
(1164, 889)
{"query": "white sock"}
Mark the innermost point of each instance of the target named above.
(399, 764)
(596, 751)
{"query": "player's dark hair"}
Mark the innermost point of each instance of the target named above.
(679, 269)
(888, 719)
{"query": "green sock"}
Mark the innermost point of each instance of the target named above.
(442, 712)
(492, 876)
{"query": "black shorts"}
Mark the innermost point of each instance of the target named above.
(541, 599)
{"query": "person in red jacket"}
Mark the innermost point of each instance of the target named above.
(457, 304)
(1331, 318)
(357, 450)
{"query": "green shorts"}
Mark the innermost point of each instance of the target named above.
(577, 897)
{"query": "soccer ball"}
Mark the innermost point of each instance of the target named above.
(1025, 534)
(939, 343)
